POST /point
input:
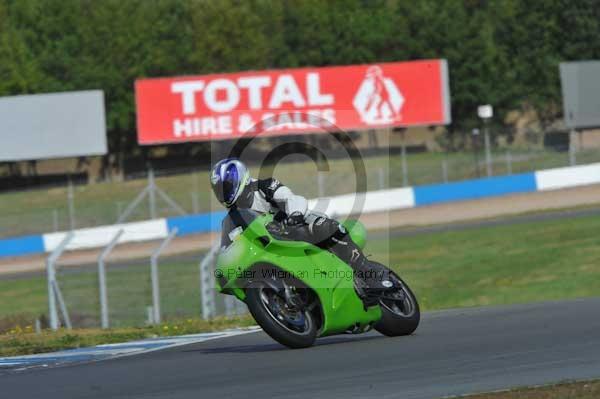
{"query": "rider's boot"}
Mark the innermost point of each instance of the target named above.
(370, 277)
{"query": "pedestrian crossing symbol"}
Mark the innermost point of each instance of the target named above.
(378, 100)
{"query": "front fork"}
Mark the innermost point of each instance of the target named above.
(286, 292)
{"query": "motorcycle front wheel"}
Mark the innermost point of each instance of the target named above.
(400, 314)
(290, 326)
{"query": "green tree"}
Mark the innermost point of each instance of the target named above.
(19, 69)
(503, 52)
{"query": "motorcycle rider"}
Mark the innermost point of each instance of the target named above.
(235, 189)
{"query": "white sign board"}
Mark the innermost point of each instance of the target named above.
(485, 111)
(580, 83)
(57, 125)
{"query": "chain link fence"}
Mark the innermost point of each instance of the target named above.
(130, 292)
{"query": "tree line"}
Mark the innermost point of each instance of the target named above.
(503, 52)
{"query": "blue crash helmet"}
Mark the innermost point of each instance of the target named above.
(228, 179)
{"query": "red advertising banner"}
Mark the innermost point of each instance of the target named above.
(291, 101)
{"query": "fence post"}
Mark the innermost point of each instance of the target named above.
(154, 274)
(381, 175)
(151, 190)
(132, 205)
(149, 315)
(194, 194)
(71, 205)
(53, 289)
(104, 322)
(230, 307)
(573, 147)
(207, 281)
(195, 207)
(62, 305)
(445, 170)
(52, 313)
(152, 194)
(55, 219)
(240, 307)
(404, 163)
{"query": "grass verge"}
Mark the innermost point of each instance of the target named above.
(573, 390)
(519, 263)
(23, 341)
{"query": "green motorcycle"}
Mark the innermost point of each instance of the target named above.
(297, 291)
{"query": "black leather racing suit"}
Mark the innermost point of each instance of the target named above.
(265, 195)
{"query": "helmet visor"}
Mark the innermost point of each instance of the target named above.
(231, 183)
(228, 179)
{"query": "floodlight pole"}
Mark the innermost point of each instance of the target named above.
(488, 151)
(475, 133)
(486, 112)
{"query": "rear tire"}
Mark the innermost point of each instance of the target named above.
(267, 319)
(402, 319)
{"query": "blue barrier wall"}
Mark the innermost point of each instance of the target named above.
(473, 189)
(195, 224)
(19, 246)
(423, 195)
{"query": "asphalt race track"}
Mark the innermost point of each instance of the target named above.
(453, 352)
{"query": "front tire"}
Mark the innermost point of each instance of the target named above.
(401, 316)
(292, 328)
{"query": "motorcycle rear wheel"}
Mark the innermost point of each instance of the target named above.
(292, 328)
(399, 316)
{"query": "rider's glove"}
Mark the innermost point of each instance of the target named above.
(295, 219)
(323, 228)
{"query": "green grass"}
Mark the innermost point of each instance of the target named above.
(31, 212)
(22, 340)
(23, 296)
(573, 390)
(517, 263)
